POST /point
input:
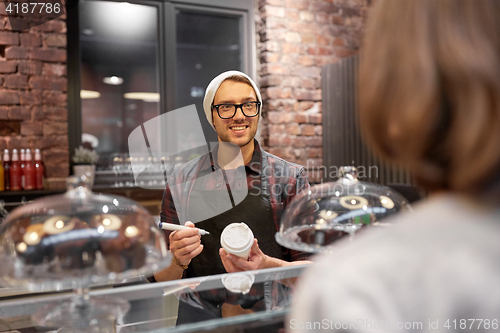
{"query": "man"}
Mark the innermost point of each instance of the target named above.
(232, 105)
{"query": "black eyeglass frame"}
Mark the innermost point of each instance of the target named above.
(236, 106)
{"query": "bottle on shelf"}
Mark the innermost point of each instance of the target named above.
(15, 172)
(22, 160)
(38, 170)
(6, 168)
(29, 172)
(2, 177)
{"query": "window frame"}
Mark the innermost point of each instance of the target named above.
(166, 55)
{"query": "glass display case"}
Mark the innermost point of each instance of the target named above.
(73, 241)
(238, 302)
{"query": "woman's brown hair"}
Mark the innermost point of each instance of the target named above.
(430, 90)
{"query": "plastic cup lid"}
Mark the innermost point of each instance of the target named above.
(238, 282)
(237, 236)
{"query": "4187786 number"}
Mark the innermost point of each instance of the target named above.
(34, 8)
(463, 324)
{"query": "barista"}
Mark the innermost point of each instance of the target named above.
(232, 105)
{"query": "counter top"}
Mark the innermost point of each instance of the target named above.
(201, 304)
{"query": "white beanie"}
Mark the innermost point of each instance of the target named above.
(214, 86)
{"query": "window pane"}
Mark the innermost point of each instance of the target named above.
(119, 45)
(207, 45)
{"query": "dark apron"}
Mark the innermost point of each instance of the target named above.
(255, 210)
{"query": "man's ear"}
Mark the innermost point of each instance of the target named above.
(213, 119)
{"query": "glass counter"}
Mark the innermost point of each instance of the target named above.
(238, 302)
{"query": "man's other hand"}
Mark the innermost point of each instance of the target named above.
(232, 263)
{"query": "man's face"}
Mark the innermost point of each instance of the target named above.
(239, 130)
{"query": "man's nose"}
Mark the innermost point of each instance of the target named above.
(239, 113)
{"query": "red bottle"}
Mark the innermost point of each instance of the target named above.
(29, 172)
(6, 169)
(22, 159)
(2, 178)
(38, 170)
(15, 172)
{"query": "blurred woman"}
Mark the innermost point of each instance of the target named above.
(430, 101)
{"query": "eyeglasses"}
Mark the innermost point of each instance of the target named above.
(228, 111)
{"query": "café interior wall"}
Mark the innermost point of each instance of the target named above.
(295, 38)
(33, 93)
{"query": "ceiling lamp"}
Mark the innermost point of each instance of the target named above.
(145, 96)
(89, 94)
(113, 80)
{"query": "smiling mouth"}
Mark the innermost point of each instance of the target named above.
(239, 127)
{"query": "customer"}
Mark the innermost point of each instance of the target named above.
(430, 101)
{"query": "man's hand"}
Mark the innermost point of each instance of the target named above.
(232, 263)
(185, 244)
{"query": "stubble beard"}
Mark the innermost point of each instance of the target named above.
(224, 137)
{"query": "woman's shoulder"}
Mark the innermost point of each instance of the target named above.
(447, 246)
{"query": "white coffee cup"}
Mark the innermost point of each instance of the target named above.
(237, 239)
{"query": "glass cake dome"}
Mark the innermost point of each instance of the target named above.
(317, 218)
(79, 239)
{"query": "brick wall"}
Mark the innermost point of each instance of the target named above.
(33, 99)
(296, 38)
